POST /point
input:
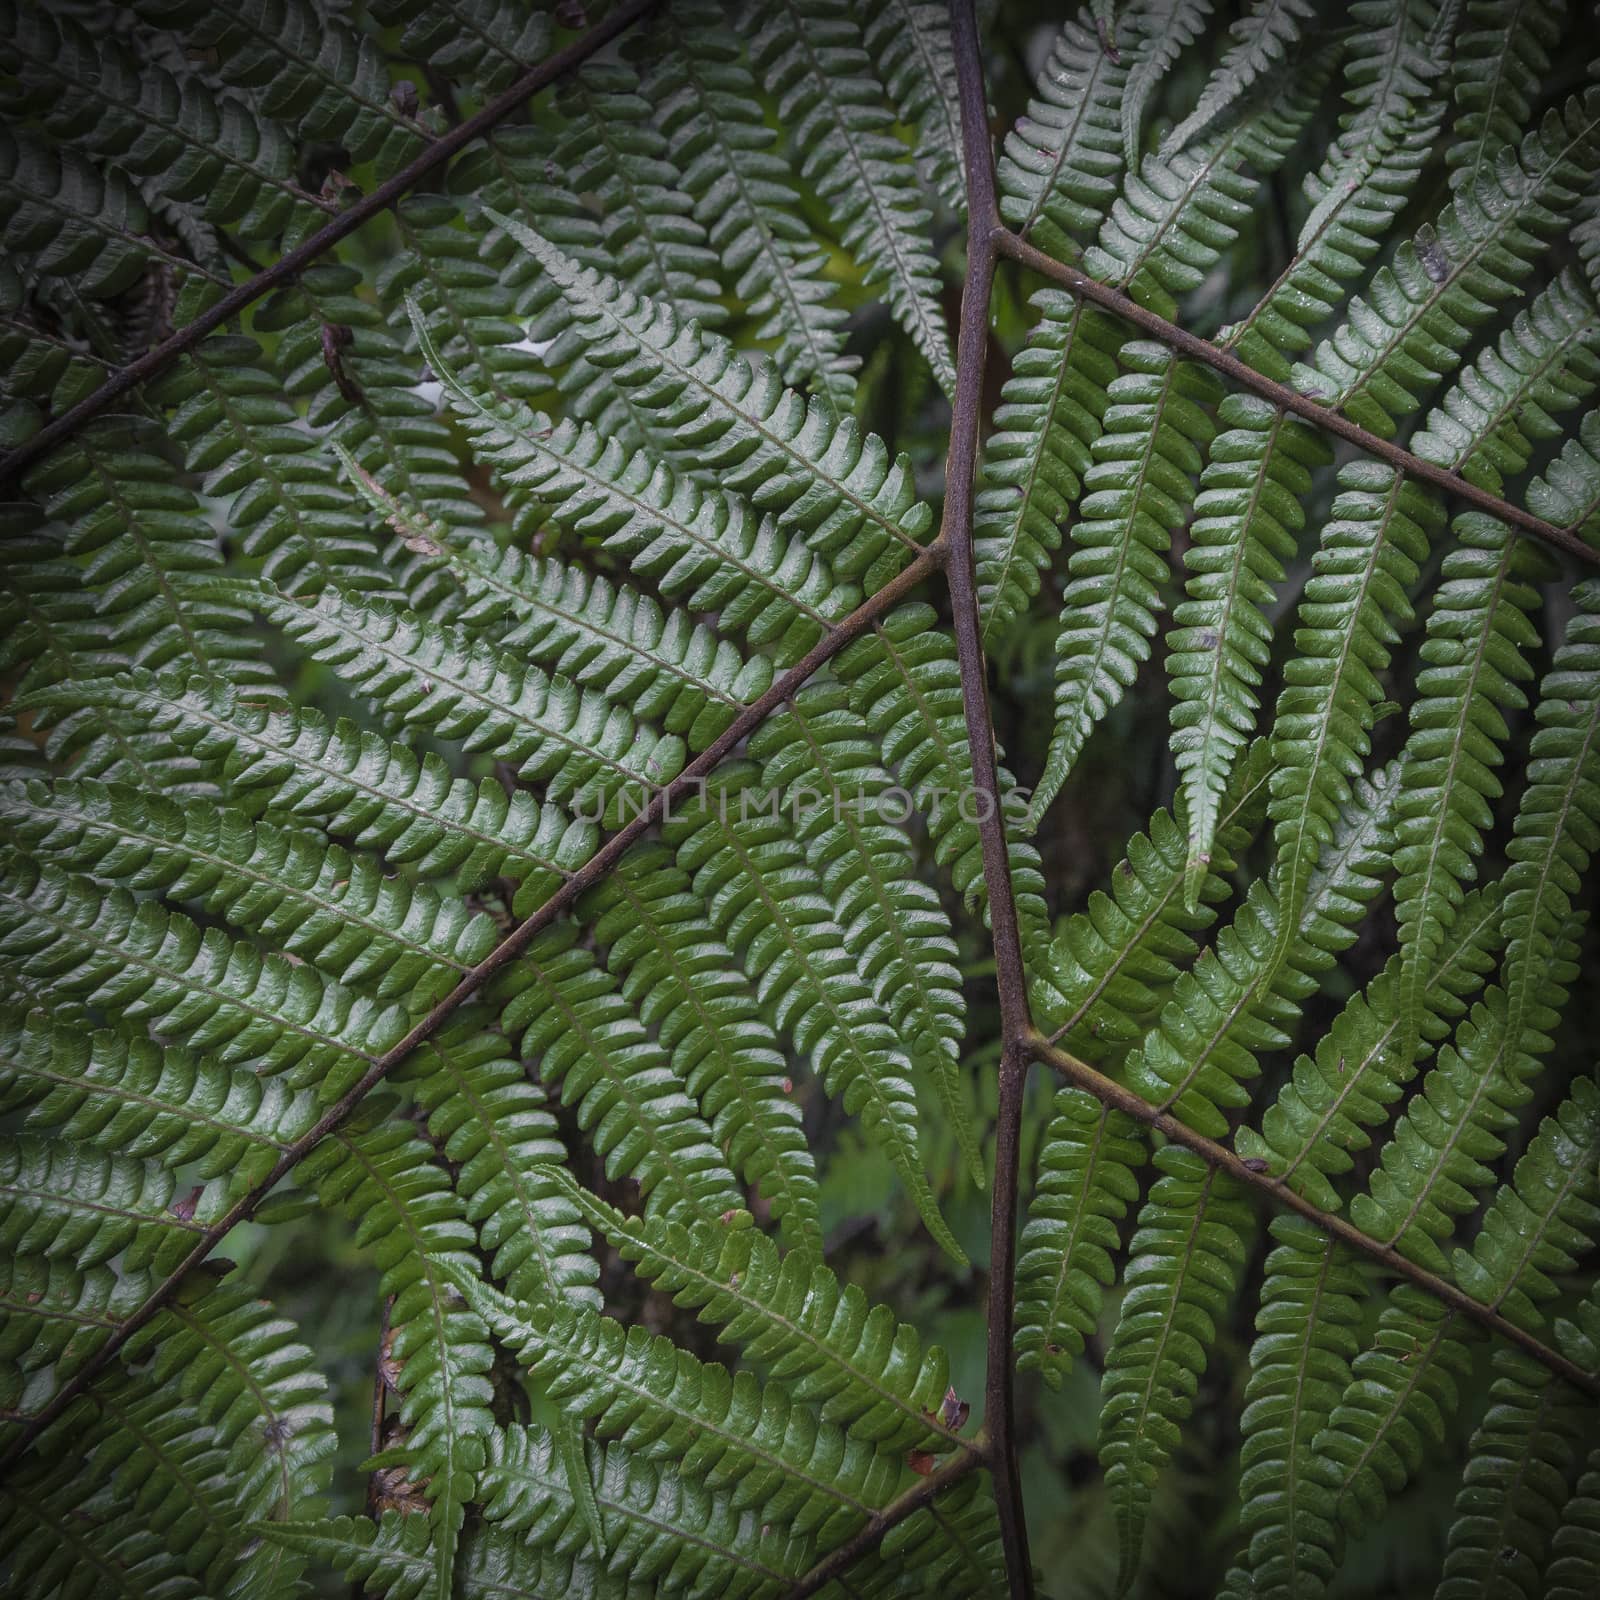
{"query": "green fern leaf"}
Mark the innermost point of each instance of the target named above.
(811, 56)
(1501, 62)
(586, 1037)
(1568, 491)
(1246, 519)
(866, 1372)
(675, 970)
(1186, 1256)
(1167, 26)
(909, 42)
(1137, 493)
(1088, 1177)
(1261, 41)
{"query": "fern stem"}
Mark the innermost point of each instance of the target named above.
(1319, 415)
(1110, 1093)
(983, 228)
(292, 263)
(590, 873)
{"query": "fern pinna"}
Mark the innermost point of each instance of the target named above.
(529, 921)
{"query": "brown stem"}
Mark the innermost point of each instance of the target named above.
(514, 943)
(1108, 1092)
(289, 266)
(867, 1539)
(983, 219)
(1287, 399)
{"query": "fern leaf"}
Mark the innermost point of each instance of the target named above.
(707, 549)
(725, 1431)
(498, 1132)
(1357, 1072)
(1168, 26)
(866, 1372)
(1059, 165)
(1262, 40)
(836, 487)
(1396, 93)
(76, 946)
(587, 1039)
(1034, 462)
(1306, 1338)
(65, 1201)
(744, 196)
(384, 797)
(820, 755)
(308, 897)
(1115, 960)
(1486, 427)
(1501, 62)
(1412, 326)
(752, 873)
(1186, 1256)
(950, 1549)
(909, 42)
(1475, 653)
(1372, 549)
(584, 749)
(811, 57)
(408, 1214)
(1246, 519)
(1246, 992)
(1088, 1177)
(665, 1530)
(675, 970)
(126, 1095)
(904, 680)
(54, 1316)
(1568, 491)
(1136, 494)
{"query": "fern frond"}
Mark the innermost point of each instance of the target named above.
(1501, 62)
(821, 756)
(407, 1213)
(1186, 1256)
(1548, 361)
(587, 1039)
(708, 549)
(1478, 636)
(678, 974)
(1246, 520)
(1371, 553)
(1413, 325)
(836, 487)
(1115, 960)
(1137, 493)
(904, 680)
(725, 1431)
(1167, 26)
(753, 874)
(1034, 462)
(1088, 1177)
(1245, 993)
(583, 748)
(1059, 165)
(909, 42)
(831, 1347)
(75, 946)
(497, 1131)
(54, 1316)
(663, 1530)
(950, 1549)
(296, 765)
(1396, 93)
(811, 57)
(132, 1096)
(744, 196)
(1357, 1072)
(304, 895)
(66, 1201)
(482, 44)
(1306, 1338)
(1262, 40)
(1568, 491)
